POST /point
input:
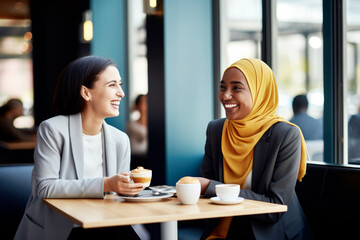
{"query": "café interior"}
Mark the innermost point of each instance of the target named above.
(175, 52)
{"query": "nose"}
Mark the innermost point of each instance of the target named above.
(227, 95)
(120, 92)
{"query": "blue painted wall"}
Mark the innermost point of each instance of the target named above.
(188, 84)
(110, 40)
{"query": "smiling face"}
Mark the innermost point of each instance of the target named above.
(104, 98)
(235, 94)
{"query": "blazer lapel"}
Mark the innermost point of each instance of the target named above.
(260, 154)
(75, 132)
(221, 166)
(221, 157)
(110, 154)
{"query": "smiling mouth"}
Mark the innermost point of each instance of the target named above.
(229, 107)
(115, 103)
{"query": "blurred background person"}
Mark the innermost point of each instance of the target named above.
(311, 128)
(11, 110)
(137, 132)
(354, 137)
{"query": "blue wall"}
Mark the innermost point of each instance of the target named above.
(110, 40)
(188, 84)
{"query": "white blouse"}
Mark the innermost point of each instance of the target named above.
(93, 156)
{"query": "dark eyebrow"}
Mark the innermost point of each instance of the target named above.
(234, 82)
(112, 81)
(237, 82)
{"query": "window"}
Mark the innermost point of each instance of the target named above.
(16, 74)
(299, 67)
(352, 80)
(138, 82)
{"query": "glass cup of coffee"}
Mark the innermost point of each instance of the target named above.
(141, 175)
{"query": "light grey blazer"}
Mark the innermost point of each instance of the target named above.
(58, 173)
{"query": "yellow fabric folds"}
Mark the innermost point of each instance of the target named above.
(239, 137)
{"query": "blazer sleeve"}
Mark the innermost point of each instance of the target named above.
(207, 166)
(211, 167)
(52, 155)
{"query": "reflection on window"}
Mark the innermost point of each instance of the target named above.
(300, 66)
(138, 82)
(240, 33)
(352, 82)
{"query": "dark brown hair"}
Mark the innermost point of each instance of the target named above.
(81, 72)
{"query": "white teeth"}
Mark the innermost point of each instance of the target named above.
(230, 105)
(117, 103)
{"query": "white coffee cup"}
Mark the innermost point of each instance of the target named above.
(188, 193)
(227, 192)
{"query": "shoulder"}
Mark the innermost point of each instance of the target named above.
(215, 127)
(283, 130)
(55, 122)
(217, 123)
(355, 118)
(114, 132)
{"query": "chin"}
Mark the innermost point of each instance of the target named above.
(112, 114)
(233, 117)
(230, 117)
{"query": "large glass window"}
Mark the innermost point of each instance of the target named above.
(299, 68)
(352, 80)
(138, 82)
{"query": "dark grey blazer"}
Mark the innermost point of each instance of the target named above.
(274, 175)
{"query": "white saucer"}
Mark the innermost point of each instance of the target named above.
(218, 201)
(146, 196)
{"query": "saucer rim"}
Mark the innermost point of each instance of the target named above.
(218, 201)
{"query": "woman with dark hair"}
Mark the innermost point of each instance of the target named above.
(257, 149)
(77, 154)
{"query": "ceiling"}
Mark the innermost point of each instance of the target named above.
(14, 9)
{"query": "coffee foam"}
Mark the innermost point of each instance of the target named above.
(140, 171)
(188, 180)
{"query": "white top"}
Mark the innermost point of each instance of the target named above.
(93, 156)
(248, 181)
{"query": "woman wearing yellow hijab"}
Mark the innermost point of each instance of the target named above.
(257, 149)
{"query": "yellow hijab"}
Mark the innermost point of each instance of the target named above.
(239, 137)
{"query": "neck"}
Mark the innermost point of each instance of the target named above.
(90, 125)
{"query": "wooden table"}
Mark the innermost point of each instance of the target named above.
(114, 211)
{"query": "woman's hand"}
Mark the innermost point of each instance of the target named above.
(120, 183)
(204, 182)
